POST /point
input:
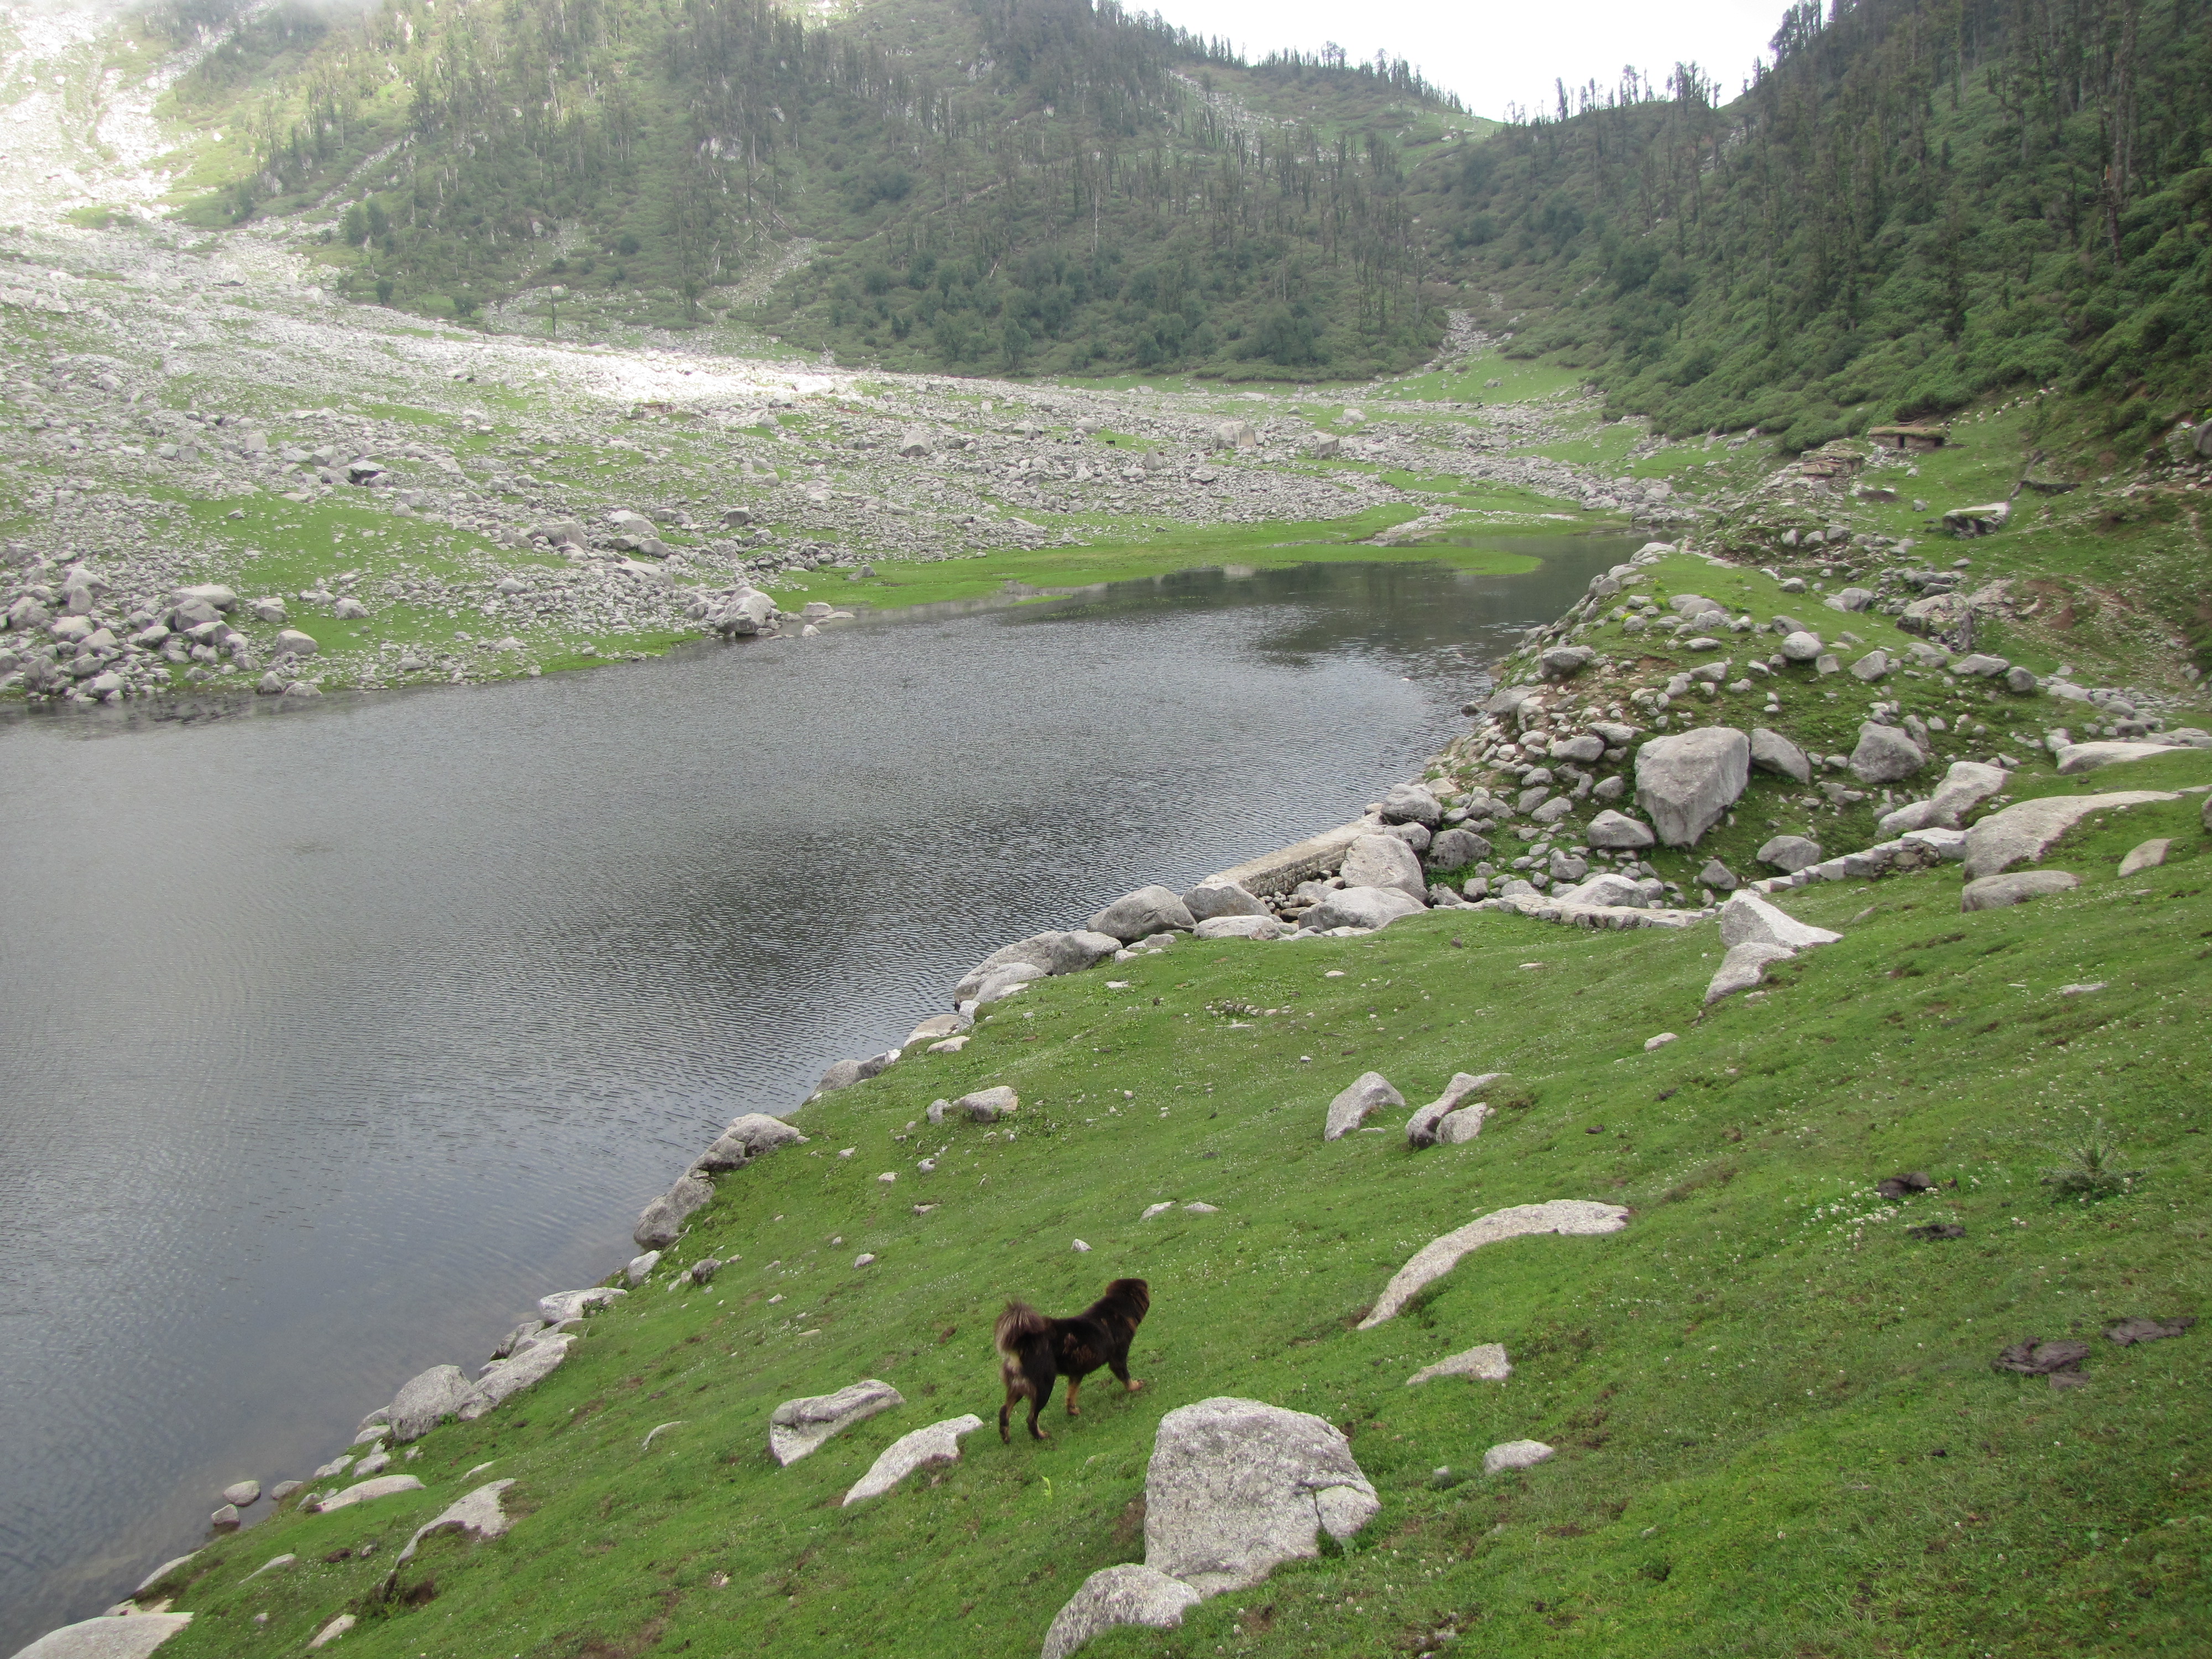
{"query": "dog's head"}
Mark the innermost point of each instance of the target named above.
(1126, 1298)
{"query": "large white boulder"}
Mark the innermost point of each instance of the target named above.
(1686, 782)
(1383, 861)
(1235, 1487)
(1148, 910)
(1363, 906)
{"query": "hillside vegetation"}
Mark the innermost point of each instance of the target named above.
(983, 184)
(1923, 202)
(1779, 1427)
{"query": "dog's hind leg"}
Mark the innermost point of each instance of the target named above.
(1040, 1397)
(1016, 1388)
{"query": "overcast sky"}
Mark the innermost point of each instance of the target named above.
(1491, 53)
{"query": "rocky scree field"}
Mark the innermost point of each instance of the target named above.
(1776, 1420)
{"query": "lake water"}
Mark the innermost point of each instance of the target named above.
(333, 1038)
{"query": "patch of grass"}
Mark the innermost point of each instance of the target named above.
(1778, 1426)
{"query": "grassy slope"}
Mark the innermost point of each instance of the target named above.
(1778, 1430)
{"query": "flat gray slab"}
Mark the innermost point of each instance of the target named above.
(1440, 1256)
(133, 1638)
(798, 1426)
(1484, 1363)
(938, 1443)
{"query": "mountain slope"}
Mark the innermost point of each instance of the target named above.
(1923, 202)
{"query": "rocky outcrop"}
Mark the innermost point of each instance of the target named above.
(478, 1513)
(1747, 919)
(2025, 831)
(367, 1492)
(134, 1638)
(1365, 907)
(1997, 892)
(1147, 910)
(1070, 953)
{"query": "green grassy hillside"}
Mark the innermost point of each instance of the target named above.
(1779, 1428)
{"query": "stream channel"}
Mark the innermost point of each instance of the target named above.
(331, 1038)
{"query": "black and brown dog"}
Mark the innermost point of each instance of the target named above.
(1037, 1350)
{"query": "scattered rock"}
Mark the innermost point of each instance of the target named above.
(1260, 927)
(661, 1224)
(1772, 752)
(1684, 783)
(224, 1519)
(1515, 1455)
(242, 1492)
(1652, 1044)
(797, 1427)
(1434, 1260)
(640, 1268)
(274, 1563)
(1747, 919)
(2027, 829)
(425, 1398)
(2148, 855)
(1421, 1129)
(1235, 1487)
(1998, 892)
(1616, 830)
(1368, 907)
(2075, 758)
(1411, 803)
(1132, 1594)
(479, 1513)
(574, 1304)
(750, 1135)
(330, 1632)
(1884, 754)
(1744, 966)
(1790, 853)
(1454, 849)
(1484, 1364)
(1383, 861)
(1147, 910)
(983, 1106)
(1070, 953)
(1209, 900)
(367, 1492)
(1370, 1093)
(1801, 646)
(938, 1443)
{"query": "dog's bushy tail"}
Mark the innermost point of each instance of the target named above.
(1020, 1319)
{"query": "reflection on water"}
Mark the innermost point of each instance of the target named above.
(337, 1036)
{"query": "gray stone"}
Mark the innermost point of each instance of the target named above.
(1131, 1594)
(2021, 681)
(1719, 876)
(1980, 665)
(1368, 907)
(640, 1268)
(1208, 900)
(1965, 786)
(1576, 1216)
(275, 1563)
(1552, 811)
(563, 1305)
(292, 641)
(1884, 754)
(2075, 758)
(2147, 856)
(841, 1074)
(1002, 982)
(1744, 966)
(983, 1106)
(1462, 1126)
(661, 1222)
(1587, 749)
(534, 1360)
(1237, 1487)
(134, 1638)
(478, 1512)
(330, 1632)
(1370, 1091)
(214, 595)
(1617, 830)
(367, 1492)
(1790, 853)
(1454, 849)
(1872, 666)
(1383, 861)
(1515, 1455)
(1801, 646)
(1851, 598)
(936, 1028)
(1411, 803)
(1415, 835)
(938, 1443)
(425, 1398)
(1070, 953)
(1747, 919)
(242, 1492)
(1147, 910)
(1421, 1127)
(797, 1427)
(1260, 927)
(224, 1518)
(284, 1489)
(1686, 782)
(1608, 889)
(2027, 829)
(1563, 662)
(1772, 752)
(1484, 1364)
(753, 1134)
(1996, 892)
(1981, 520)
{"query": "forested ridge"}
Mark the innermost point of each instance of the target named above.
(1921, 203)
(1913, 204)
